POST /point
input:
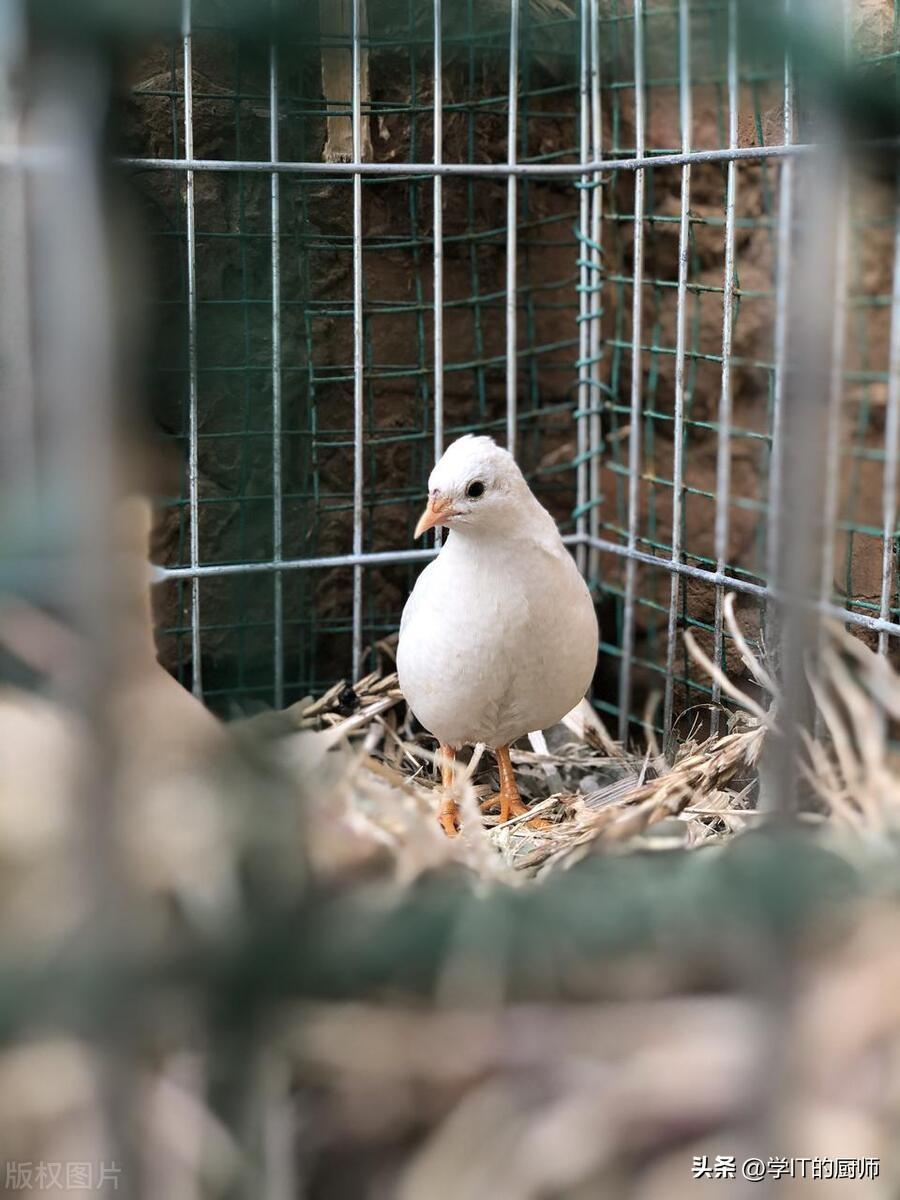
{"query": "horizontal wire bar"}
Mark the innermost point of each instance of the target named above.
(369, 558)
(717, 578)
(372, 558)
(491, 170)
(663, 548)
(493, 38)
(395, 241)
(337, 438)
(332, 438)
(393, 370)
(381, 308)
(309, 106)
(380, 558)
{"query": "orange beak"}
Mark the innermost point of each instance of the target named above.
(437, 511)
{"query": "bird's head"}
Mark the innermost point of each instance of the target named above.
(476, 485)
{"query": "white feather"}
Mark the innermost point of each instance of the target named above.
(499, 636)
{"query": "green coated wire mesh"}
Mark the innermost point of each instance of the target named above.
(234, 324)
(234, 318)
(863, 339)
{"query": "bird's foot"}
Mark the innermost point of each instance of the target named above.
(516, 807)
(511, 803)
(539, 823)
(448, 813)
(448, 816)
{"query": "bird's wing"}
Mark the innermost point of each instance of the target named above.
(415, 596)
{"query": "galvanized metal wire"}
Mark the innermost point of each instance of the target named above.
(615, 438)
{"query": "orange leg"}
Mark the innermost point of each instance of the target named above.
(448, 813)
(511, 803)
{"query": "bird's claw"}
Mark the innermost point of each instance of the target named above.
(517, 808)
(539, 823)
(448, 817)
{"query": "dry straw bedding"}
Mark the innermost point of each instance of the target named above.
(595, 792)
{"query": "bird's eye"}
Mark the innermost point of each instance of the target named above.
(475, 489)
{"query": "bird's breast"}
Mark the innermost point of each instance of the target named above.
(496, 645)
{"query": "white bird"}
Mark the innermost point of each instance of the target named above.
(499, 636)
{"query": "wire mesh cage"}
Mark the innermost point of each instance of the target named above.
(654, 249)
(569, 228)
(351, 491)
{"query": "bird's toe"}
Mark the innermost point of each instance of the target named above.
(539, 823)
(448, 817)
(517, 808)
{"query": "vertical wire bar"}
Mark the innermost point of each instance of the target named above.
(277, 517)
(891, 444)
(804, 364)
(193, 455)
(594, 430)
(357, 347)
(18, 432)
(584, 395)
(722, 529)
(892, 415)
(511, 232)
(278, 1133)
(75, 329)
(634, 438)
(438, 237)
(782, 292)
(838, 360)
(684, 91)
(438, 244)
